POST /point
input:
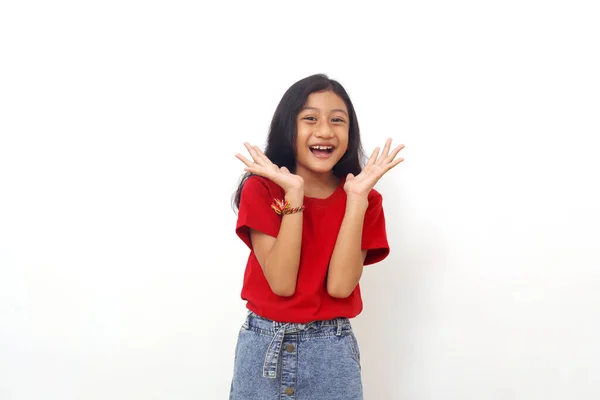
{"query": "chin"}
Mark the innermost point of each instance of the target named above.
(319, 165)
(320, 168)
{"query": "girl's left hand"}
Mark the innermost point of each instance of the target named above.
(376, 167)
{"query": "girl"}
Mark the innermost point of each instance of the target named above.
(309, 214)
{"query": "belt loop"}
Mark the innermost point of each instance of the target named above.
(339, 327)
(247, 320)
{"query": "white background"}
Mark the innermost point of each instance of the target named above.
(120, 271)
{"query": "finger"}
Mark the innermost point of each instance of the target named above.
(257, 171)
(350, 176)
(393, 164)
(373, 157)
(262, 155)
(386, 150)
(394, 153)
(252, 152)
(244, 160)
(285, 170)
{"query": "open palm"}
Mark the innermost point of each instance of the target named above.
(376, 167)
(262, 166)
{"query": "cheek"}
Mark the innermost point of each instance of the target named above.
(301, 132)
(302, 137)
(344, 141)
(344, 149)
(300, 142)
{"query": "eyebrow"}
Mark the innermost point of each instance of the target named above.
(317, 109)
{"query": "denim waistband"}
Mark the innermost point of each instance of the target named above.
(337, 327)
(315, 327)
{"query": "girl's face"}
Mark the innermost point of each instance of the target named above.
(323, 126)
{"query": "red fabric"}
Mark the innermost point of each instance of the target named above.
(322, 219)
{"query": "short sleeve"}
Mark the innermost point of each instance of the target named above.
(255, 210)
(374, 237)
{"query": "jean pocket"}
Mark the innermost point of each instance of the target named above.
(237, 344)
(354, 347)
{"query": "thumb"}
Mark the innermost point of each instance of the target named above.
(350, 177)
(284, 170)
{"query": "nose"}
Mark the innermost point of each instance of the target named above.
(323, 131)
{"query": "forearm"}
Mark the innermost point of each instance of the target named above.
(346, 265)
(283, 260)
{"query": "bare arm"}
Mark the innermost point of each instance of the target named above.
(346, 265)
(347, 260)
(280, 257)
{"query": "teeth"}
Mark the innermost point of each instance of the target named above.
(322, 147)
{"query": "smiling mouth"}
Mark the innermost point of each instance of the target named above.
(321, 151)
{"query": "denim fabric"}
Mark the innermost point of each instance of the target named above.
(285, 361)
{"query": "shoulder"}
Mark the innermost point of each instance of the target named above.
(375, 207)
(375, 198)
(258, 185)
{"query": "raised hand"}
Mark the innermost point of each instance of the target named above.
(376, 167)
(262, 166)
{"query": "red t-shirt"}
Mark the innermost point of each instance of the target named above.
(322, 219)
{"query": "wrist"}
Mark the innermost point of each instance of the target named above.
(295, 197)
(356, 201)
(294, 190)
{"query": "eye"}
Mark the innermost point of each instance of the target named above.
(310, 118)
(338, 120)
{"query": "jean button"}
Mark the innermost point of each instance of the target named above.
(290, 348)
(289, 391)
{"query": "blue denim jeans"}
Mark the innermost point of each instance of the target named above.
(285, 361)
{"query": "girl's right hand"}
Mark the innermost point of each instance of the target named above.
(262, 166)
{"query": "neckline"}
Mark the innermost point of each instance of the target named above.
(339, 190)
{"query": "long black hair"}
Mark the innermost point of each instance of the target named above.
(281, 142)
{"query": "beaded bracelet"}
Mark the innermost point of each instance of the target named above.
(282, 207)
